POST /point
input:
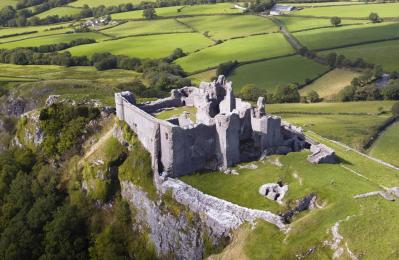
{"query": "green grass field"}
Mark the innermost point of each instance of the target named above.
(333, 37)
(331, 83)
(300, 23)
(52, 39)
(4, 31)
(316, 4)
(383, 53)
(146, 27)
(273, 73)
(154, 46)
(60, 11)
(362, 107)
(225, 27)
(244, 49)
(334, 186)
(95, 3)
(203, 76)
(171, 11)
(352, 123)
(358, 11)
(386, 147)
(15, 79)
(166, 114)
(4, 3)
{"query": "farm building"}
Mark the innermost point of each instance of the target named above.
(278, 9)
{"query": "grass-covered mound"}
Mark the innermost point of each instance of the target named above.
(386, 147)
(271, 74)
(334, 185)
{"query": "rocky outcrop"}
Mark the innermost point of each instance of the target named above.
(274, 191)
(322, 154)
(171, 235)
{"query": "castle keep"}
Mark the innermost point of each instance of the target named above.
(227, 130)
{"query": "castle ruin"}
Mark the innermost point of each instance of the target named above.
(227, 130)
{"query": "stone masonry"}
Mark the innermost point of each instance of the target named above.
(227, 130)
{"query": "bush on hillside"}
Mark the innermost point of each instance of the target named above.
(313, 97)
(252, 92)
(226, 68)
(391, 91)
(287, 94)
(395, 109)
(335, 21)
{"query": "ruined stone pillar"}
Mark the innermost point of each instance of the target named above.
(228, 133)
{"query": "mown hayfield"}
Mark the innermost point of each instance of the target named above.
(300, 23)
(154, 46)
(146, 27)
(226, 26)
(357, 11)
(382, 53)
(386, 147)
(327, 38)
(95, 3)
(331, 83)
(244, 49)
(271, 74)
(60, 11)
(52, 39)
(222, 8)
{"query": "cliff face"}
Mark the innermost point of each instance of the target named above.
(171, 235)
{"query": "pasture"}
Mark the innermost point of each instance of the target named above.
(386, 147)
(227, 26)
(271, 74)
(60, 11)
(4, 31)
(323, 4)
(51, 39)
(382, 53)
(329, 38)
(153, 46)
(176, 11)
(334, 186)
(301, 23)
(331, 83)
(4, 3)
(243, 49)
(95, 3)
(146, 27)
(354, 11)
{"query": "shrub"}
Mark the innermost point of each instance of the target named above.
(287, 94)
(251, 92)
(375, 18)
(226, 68)
(313, 97)
(335, 21)
(395, 109)
(346, 94)
(391, 91)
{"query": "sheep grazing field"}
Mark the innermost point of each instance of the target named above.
(329, 68)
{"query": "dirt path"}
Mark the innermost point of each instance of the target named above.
(100, 141)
